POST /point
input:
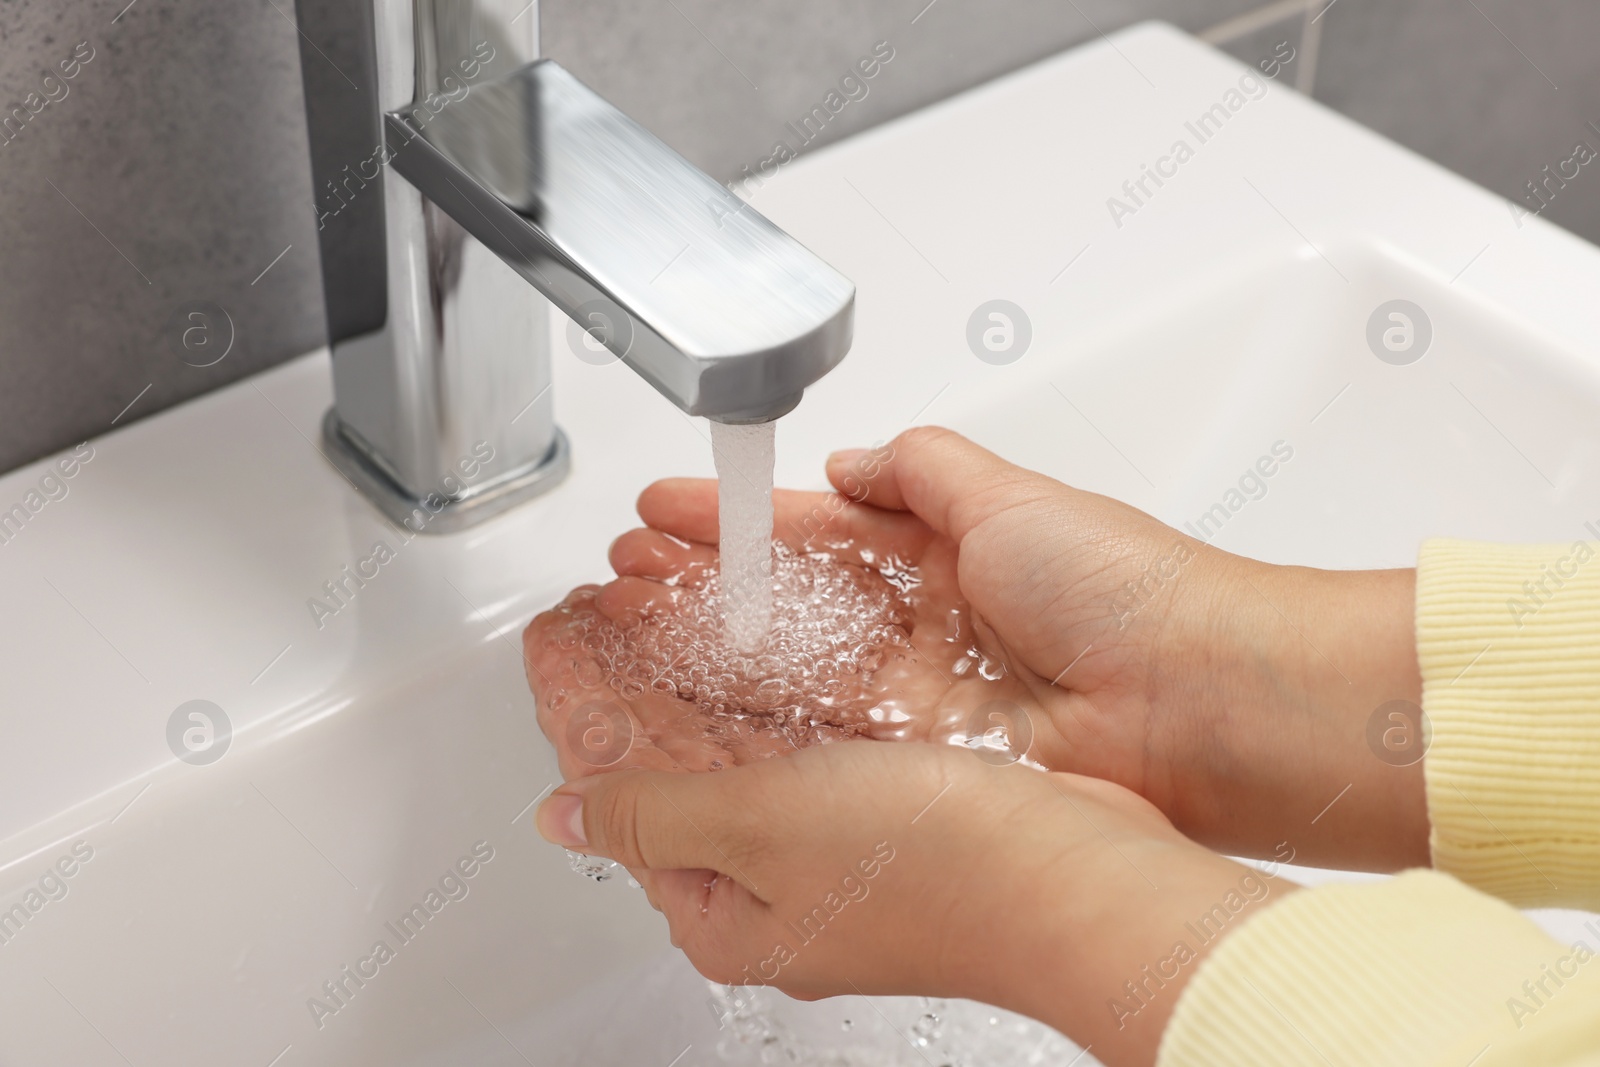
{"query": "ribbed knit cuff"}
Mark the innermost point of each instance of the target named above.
(1417, 970)
(1508, 638)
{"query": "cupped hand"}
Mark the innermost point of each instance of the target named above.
(943, 677)
(1234, 695)
(880, 868)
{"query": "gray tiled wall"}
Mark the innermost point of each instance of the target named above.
(174, 169)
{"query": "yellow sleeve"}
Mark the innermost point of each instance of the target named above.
(1416, 971)
(1509, 642)
(1423, 969)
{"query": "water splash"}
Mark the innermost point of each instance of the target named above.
(859, 646)
(835, 627)
(761, 1026)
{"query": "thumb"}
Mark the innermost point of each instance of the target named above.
(650, 820)
(947, 481)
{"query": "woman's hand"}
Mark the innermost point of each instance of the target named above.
(880, 868)
(1234, 695)
(926, 687)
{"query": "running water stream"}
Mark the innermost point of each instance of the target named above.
(774, 646)
(743, 454)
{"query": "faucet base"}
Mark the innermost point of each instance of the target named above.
(440, 512)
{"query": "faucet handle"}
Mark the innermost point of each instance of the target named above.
(723, 312)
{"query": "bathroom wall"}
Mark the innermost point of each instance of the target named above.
(156, 233)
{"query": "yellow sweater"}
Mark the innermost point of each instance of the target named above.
(1437, 968)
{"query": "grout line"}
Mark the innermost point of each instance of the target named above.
(1232, 29)
(1305, 77)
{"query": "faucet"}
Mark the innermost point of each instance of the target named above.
(448, 160)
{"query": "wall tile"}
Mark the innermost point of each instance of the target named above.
(173, 170)
(1475, 88)
(718, 79)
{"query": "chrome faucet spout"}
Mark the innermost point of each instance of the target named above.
(499, 177)
(720, 310)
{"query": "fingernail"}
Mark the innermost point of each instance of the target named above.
(560, 821)
(846, 455)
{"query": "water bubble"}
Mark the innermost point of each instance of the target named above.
(999, 731)
(596, 867)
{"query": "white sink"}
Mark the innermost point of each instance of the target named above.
(1228, 313)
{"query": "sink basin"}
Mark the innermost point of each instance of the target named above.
(366, 754)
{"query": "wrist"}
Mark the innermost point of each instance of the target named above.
(1350, 719)
(1317, 683)
(1111, 961)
